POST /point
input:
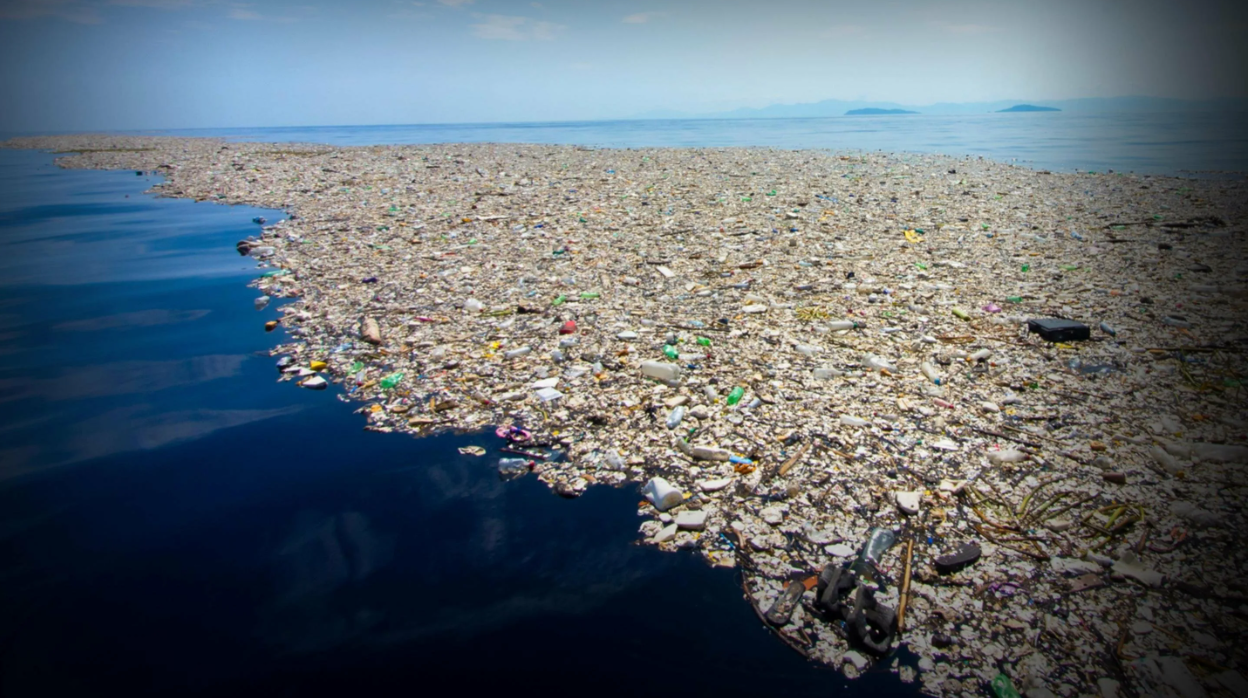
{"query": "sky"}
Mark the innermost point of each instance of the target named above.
(69, 65)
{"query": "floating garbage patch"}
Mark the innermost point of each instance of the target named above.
(991, 414)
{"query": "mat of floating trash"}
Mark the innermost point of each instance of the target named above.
(793, 354)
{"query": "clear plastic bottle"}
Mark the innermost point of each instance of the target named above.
(675, 417)
(614, 461)
(875, 363)
(510, 468)
(660, 370)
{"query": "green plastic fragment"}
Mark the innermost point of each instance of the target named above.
(1026, 267)
(590, 295)
(704, 341)
(1002, 687)
(559, 300)
(390, 381)
(357, 367)
(1014, 299)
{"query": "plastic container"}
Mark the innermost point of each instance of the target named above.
(511, 468)
(929, 371)
(735, 395)
(875, 363)
(662, 494)
(675, 417)
(661, 371)
(852, 421)
(613, 460)
(879, 540)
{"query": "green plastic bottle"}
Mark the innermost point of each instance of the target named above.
(704, 341)
(1014, 299)
(590, 295)
(356, 367)
(1003, 687)
(390, 381)
(670, 351)
(735, 396)
(559, 300)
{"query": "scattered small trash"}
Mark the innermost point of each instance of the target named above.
(472, 450)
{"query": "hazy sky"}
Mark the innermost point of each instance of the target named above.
(132, 64)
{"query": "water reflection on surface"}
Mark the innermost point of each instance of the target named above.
(139, 318)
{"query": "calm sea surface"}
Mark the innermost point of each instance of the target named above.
(1153, 143)
(173, 521)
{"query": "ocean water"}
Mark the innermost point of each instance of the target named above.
(1188, 144)
(174, 521)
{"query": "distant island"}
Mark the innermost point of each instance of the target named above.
(877, 112)
(1027, 107)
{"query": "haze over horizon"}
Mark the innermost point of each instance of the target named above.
(143, 64)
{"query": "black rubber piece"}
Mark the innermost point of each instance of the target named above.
(1058, 330)
(965, 555)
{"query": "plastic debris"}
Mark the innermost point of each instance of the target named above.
(841, 366)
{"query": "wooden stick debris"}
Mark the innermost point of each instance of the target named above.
(905, 588)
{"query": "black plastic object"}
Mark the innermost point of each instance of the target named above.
(966, 554)
(1058, 330)
(842, 595)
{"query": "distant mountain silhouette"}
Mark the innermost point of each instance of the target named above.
(873, 111)
(1087, 105)
(1026, 107)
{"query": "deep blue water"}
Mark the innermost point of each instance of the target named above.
(1147, 142)
(173, 521)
